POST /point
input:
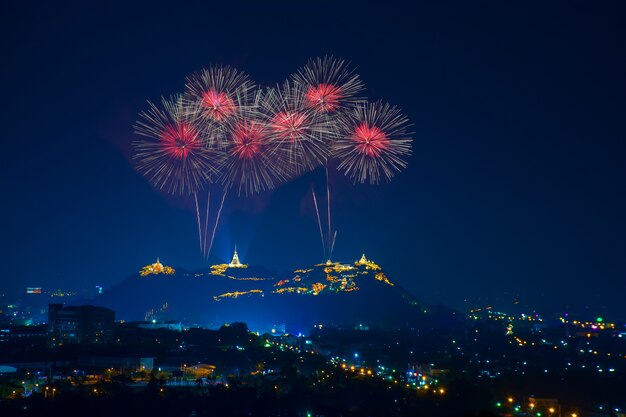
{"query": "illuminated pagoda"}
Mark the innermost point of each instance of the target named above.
(156, 268)
(368, 264)
(235, 263)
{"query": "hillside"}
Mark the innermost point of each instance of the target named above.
(330, 293)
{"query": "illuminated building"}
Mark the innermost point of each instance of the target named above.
(22, 334)
(368, 264)
(236, 294)
(79, 324)
(33, 290)
(235, 263)
(545, 406)
(133, 363)
(201, 370)
(220, 269)
(362, 261)
(331, 277)
(156, 268)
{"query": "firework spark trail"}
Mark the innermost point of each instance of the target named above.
(331, 88)
(206, 225)
(195, 197)
(217, 220)
(328, 206)
(319, 222)
(332, 247)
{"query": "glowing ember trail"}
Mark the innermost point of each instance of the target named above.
(323, 98)
(179, 140)
(370, 140)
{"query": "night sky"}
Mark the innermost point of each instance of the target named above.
(516, 188)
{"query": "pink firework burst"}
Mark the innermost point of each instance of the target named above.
(180, 140)
(299, 135)
(249, 163)
(248, 139)
(323, 97)
(373, 142)
(290, 125)
(215, 95)
(217, 105)
(370, 140)
(172, 154)
(330, 85)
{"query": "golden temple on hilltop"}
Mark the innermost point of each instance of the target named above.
(156, 268)
(368, 264)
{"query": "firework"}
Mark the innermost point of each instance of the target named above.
(211, 95)
(328, 84)
(171, 154)
(249, 163)
(330, 88)
(225, 130)
(299, 136)
(373, 142)
(319, 221)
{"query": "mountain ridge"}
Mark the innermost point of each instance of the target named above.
(331, 293)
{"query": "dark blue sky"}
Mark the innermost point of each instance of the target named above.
(516, 187)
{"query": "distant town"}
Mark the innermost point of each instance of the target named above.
(60, 354)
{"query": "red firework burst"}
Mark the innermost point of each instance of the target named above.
(329, 83)
(299, 135)
(373, 142)
(216, 95)
(249, 139)
(290, 125)
(179, 140)
(370, 140)
(249, 163)
(323, 97)
(172, 154)
(217, 105)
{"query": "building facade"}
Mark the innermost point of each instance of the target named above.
(79, 325)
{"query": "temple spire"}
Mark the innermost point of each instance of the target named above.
(235, 263)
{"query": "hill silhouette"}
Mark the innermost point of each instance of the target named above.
(330, 293)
